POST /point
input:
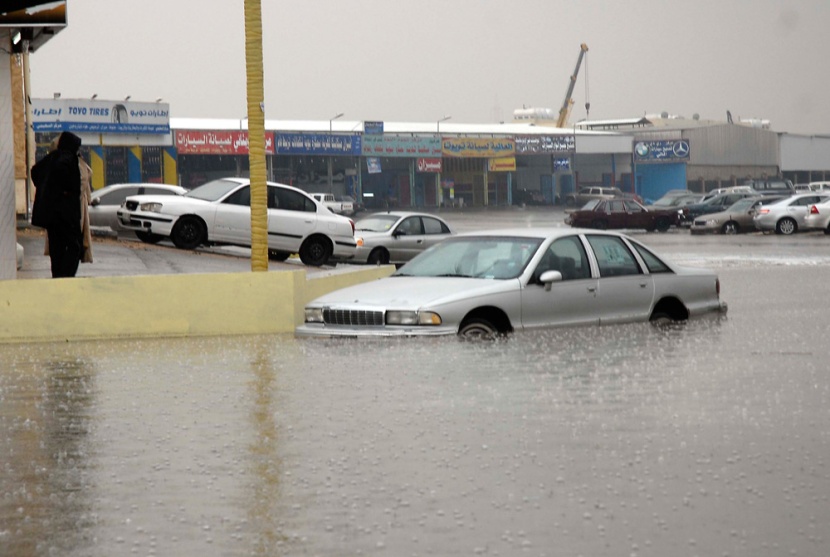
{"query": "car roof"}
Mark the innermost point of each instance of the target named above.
(540, 232)
(401, 214)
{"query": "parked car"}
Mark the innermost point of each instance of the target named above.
(676, 198)
(771, 186)
(335, 205)
(621, 213)
(105, 202)
(786, 216)
(734, 219)
(731, 189)
(219, 212)
(495, 282)
(818, 217)
(686, 215)
(350, 206)
(398, 236)
(586, 194)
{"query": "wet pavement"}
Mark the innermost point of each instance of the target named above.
(705, 438)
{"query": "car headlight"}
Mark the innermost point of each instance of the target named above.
(150, 207)
(394, 317)
(313, 315)
(712, 222)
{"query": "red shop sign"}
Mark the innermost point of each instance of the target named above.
(217, 142)
(429, 165)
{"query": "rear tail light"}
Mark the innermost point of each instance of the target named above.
(813, 210)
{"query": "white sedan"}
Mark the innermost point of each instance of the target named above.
(219, 212)
(105, 202)
(492, 283)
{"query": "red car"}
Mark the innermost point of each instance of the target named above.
(621, 213)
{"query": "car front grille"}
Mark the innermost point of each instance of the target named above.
(352, 317)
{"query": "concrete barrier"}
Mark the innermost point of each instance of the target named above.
(90, 308)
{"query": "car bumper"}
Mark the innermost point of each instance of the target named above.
(327, 331)
(146, 222)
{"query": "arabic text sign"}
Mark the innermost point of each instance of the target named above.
(662, 151)
(544, 144)
(429, 165)
(478, 148)
(217, 142)
(504, 164)
(317, 144)
(94, 116)
(401, 146)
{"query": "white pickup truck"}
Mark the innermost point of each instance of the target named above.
(335, 206)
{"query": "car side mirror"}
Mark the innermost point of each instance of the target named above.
(549, 277)
(399, 232)
(95, 202)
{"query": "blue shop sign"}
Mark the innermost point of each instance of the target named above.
(317, 144)
(561, 164)
(373, 128)
(676, 150)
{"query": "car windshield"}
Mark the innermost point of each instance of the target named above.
(213, 191)
(491, 257)
(377, 223)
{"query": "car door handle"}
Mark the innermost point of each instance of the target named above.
(419, 241)
(643, 284)
(592, 289)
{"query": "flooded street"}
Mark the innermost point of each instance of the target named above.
(709, 438)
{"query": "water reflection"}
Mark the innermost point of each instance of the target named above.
(46, 413)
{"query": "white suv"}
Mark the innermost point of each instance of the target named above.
(219, 212)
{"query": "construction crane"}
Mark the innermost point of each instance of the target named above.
(565, 111)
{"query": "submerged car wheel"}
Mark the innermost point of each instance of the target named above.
(149, 237)
(188, 233)
(663, 224)
(477, 329)
(786, 226)
(599, 224)
(315, 251)
(379, 256)
(730, 227)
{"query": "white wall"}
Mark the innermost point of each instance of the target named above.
(8, 217)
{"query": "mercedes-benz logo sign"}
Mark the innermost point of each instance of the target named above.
(681, 149)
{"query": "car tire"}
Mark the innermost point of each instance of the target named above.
(188, 233)
(379, 256)
(661, 318)
(786, 226)
(275, 255)
(599, 224)
(827, 230)
(663, 225)
(730, 227)
(477, 328)
(315, 251)
(149, 237)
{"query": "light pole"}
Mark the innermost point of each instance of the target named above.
(330, 170)
(438, 124)
(333, 118)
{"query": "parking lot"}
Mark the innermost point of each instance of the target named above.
(704, 438)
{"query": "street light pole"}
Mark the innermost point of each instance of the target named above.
(330, 169)
(438, 124)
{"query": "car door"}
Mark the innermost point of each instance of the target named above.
(616, 215)
(571, 301)
(104, 212)
(407, 239)
(636, 215)
(292, 217)
(232, 219)
(435, 231)
(624, 291)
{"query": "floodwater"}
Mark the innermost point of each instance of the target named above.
(710, 438)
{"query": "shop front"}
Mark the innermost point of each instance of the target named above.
(317, 162)
(122, 141)
(205, 155)
(477, 171)
(545, 173)
(400, 170)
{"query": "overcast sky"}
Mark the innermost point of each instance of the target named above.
(474, 60)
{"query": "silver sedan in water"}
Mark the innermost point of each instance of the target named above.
(397, 236)
(492, 283)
